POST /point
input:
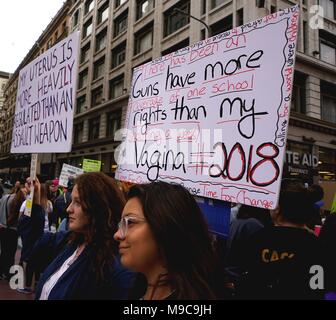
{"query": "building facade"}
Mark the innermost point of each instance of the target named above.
(118, 35)
(4, 76)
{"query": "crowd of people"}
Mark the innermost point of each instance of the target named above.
(96, 240)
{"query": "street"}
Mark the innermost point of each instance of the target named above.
(8, 294)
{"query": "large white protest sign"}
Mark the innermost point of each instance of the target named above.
(68, 172)
(46, 94)
(214, 116)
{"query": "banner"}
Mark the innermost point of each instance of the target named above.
(68, 172)
(91, 165)
(214, 116)
(43, 120)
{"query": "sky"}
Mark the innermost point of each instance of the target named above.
(21, 24)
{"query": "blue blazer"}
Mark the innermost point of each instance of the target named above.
(79, 281)
(30, 230)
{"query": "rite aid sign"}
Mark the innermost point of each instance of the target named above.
(305, 159)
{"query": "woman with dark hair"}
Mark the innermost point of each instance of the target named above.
(163, 235)
(88, 267)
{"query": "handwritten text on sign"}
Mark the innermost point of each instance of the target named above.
(67, 173)
(214, 116)
(44, 105)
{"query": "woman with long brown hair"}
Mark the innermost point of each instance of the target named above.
(88, 267)
(163, 235)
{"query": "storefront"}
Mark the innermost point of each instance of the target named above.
(301, 162)
(310, 164)
(327, 173)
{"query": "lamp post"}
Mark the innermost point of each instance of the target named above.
(191, 16)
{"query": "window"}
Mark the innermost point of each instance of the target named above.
(116, 87)
(49, 44)
(87, 29)
(118, 3)
(64, 27)
(101, 40)
(98, 69)
(85, 53)
(120, 24)
(174, 20)
(75, 18)
(305, 36)
(328, 8)
(89, 5)
(327, 164)
(296, 166)
(113, 123)
(298, 103)
(328, 101)
(327, 47)
(240, 17)
(97, 96)
(78, 132)
(143, 40)
(178, 46)
(118, 55)
(144, 7)
(80, 104)
(103, 13)
(83, 76)
(94, 125)
(216, 3)
(222, 25)
(328, 53)
(204, 7)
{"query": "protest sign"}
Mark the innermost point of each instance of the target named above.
(214, 116)
(67, 173)
(333, 206)
(30, 196)
(91, 165)
(43, 120)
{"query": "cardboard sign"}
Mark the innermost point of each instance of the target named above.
(91, 165)
(43, 120)
(68, 172)
(30, 197)
(214, 116)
